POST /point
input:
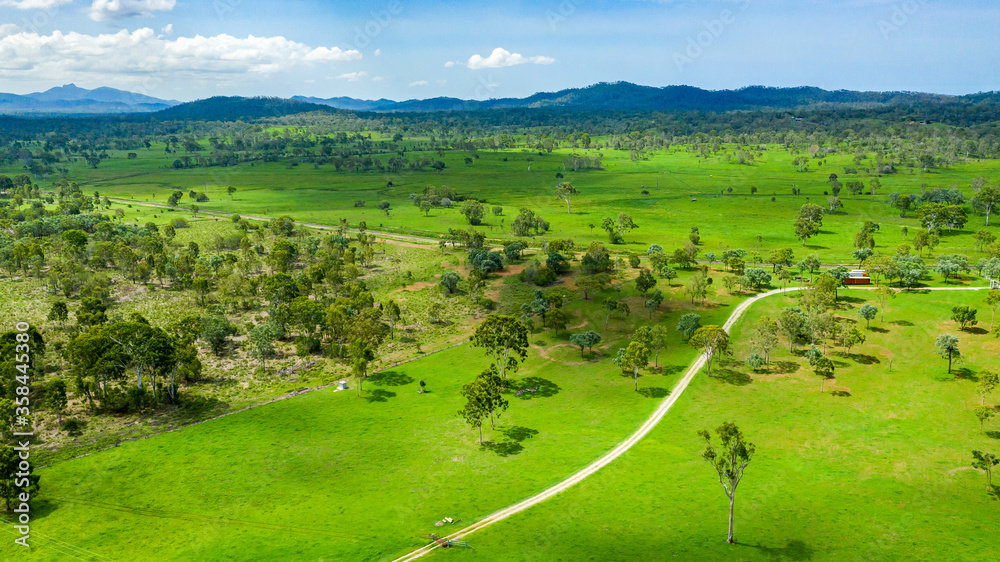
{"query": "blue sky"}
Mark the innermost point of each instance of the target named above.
(401, 49)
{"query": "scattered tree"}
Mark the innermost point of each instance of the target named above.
(868, 312)
(729, 462)
(710, 340)
(947, 346)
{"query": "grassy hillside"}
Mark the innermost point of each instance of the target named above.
(877, 467)
(685, 190)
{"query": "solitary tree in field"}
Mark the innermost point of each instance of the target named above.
(985, 462)
(610, 305)
(947, 346)
(983, 414)
(824, 367)
(729, 462)
(765, 337)
(806, 229)
(449, 280)
(505, 340)
(852, 338)
(868, 312)
(987, 199)
(988, 381)
(632, 359)
(230, 190)
(710, 340)
(362, 355)
(487, 391)
(883, 295)
(965, 316)
(566, 192)
(476, 408)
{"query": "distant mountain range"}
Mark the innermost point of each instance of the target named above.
(616, 96)
(625, 96)
(71, 99)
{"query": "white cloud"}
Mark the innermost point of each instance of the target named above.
(449, 64)
(378, 52)
(377, 79)
(8, 29)
(141, 53)
(419, 83)
(169, 29)
(102, 10)
(353, 76)
(34, 4)
(501, 57)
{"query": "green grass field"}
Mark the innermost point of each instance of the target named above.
(332, 476)
(674, 178)
(879, 472)
(876, 467)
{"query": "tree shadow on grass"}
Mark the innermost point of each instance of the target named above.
(977, 331)
(841, 393)
(654, 392)
(390, 378)
(511, 445)
(786, 367)
(965, 374)
(906, 323)
(202, 404)
(544, 388)
(39, 508)
(864, 359)
(993, 434)
(730, 376)
(794, 550)
(878, 330)
(672, 369)
(852, 300)
(379, 395)
(503, 448)
(519, 433)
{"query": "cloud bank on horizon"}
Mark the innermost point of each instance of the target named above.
(386, 48)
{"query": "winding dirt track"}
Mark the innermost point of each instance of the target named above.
(387, 235)
(622, 447)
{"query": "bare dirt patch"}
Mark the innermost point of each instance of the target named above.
(418, 286)
(543, 352)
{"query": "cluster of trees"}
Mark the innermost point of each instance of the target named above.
(310, 287)
(505, 342)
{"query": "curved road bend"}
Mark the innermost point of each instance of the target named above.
(625, 445)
